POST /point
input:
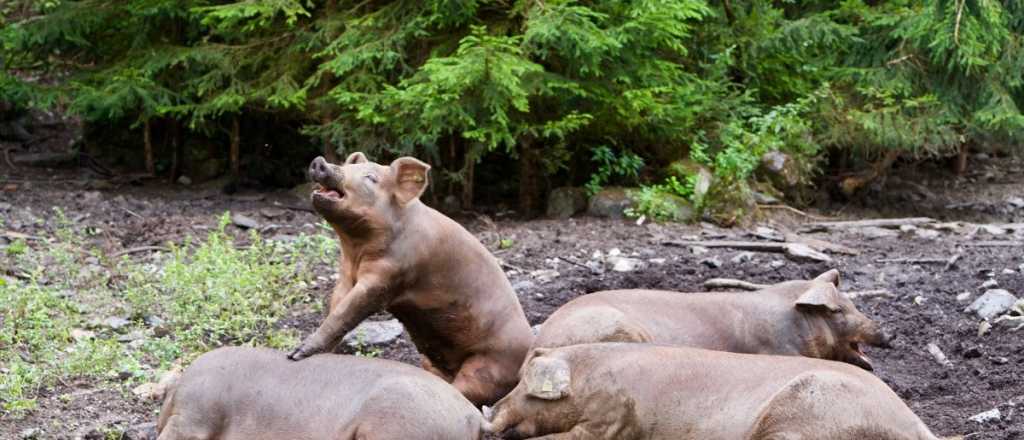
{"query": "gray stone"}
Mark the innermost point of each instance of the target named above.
(1016, 202)
(115, 323)
(698, 250)
(742, 257)
(993, 303)
(927, 234)
(963, 297)
(30, 433)
(566, 202)
(375, 333)
(780, 168)
(776, 264)
(764, 199)
(243, 221)
(80, 335)
(802, 252)
(272, 212)
(184, 180)
(711, 262)
(624, 264)
(992, 415)
(990, 284)
(992, 229)
(141, 431)
(610, 202)
(544, 275)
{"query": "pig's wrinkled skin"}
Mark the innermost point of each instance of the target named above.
(794, 318)
(400, 255)
(254, 394)
(627, 391)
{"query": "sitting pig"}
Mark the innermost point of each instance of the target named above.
(399, 255)
(795, 318)
(251, 393)
(640, 391)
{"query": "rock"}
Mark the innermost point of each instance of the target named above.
(711, 262)
(566, 202)
(156, 390)
(983, 328)
(132, 336)
(972, 353)
(803, 252)
(610, 202)
(657, 261)
(544, 275)
(30, 433)
(243, 221)
(184, 180)
(374, 333)
(938, 355)
(142, 431)
(992, 229)
(963, 297)
(1009, 272)
(999, 360)
(993, 303)
(115, 323)
(624, 264)
(927, 234)
(272, 212)
(764, 199)
(698, 250)
(776, 264)
(767, 234)
(908, 228)
(80, 335)
(522, 285)
(1016, 202)
(742, 257)
(876, 232)
(780, 168)
(992, 415)
(990, 284)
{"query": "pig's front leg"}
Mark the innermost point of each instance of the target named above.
(368, 296)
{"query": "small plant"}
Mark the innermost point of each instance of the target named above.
(506, 243)
(609, 166)
(361, 348)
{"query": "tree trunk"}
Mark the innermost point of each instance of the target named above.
(467, 181)
(234, 148)
(961, 160)
(330, 153)
(147, 141)
(177, 152)
(529, 178)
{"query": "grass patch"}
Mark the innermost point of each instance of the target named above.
(204, 294)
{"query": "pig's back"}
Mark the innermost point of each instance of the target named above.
(702, 394)
(244, 393)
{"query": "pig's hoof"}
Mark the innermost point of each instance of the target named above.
(298, 354)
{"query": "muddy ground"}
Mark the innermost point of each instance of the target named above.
(986, 370)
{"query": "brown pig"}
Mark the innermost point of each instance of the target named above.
(400, 255)
(795, 318)
(254, 394)
(627, 391)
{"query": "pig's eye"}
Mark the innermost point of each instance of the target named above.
(372, 178)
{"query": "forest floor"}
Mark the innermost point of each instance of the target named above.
(550, 262)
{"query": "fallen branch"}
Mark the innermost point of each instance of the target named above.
(819, 245)
(798, 251)
(993, 244)
(139, 249)
(952, 261)
(938, 355)
(19, 235)
(131, 212)
(877, 223)
(729, 283)
(913, 260)
(575, 263)
(795, 211)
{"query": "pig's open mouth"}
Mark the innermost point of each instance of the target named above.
(857, 351)
(329, 193)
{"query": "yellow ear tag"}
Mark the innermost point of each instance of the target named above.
(548, 386)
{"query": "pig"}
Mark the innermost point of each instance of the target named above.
(627, 391)
(795, 318)
(256, 393)
(399, 255)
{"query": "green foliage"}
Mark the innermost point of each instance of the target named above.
(553, 83)
(206, 294)
(609, 165)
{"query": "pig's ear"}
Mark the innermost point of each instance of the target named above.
(547, 378)
(410, 178)
(356, 157)
(819, 297)
(831, 276)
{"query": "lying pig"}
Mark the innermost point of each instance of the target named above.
(640, 391)
(400, 255)
(251, 393)
(795, 318)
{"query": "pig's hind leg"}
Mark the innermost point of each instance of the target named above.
(483, 381)
(177, 428)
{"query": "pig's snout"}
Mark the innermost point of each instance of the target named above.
(318, 169)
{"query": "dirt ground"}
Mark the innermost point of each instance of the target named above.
(548, 266)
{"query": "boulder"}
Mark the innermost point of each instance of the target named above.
(566, 202)
(610, 202)
(374, 333)
(993, 303)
